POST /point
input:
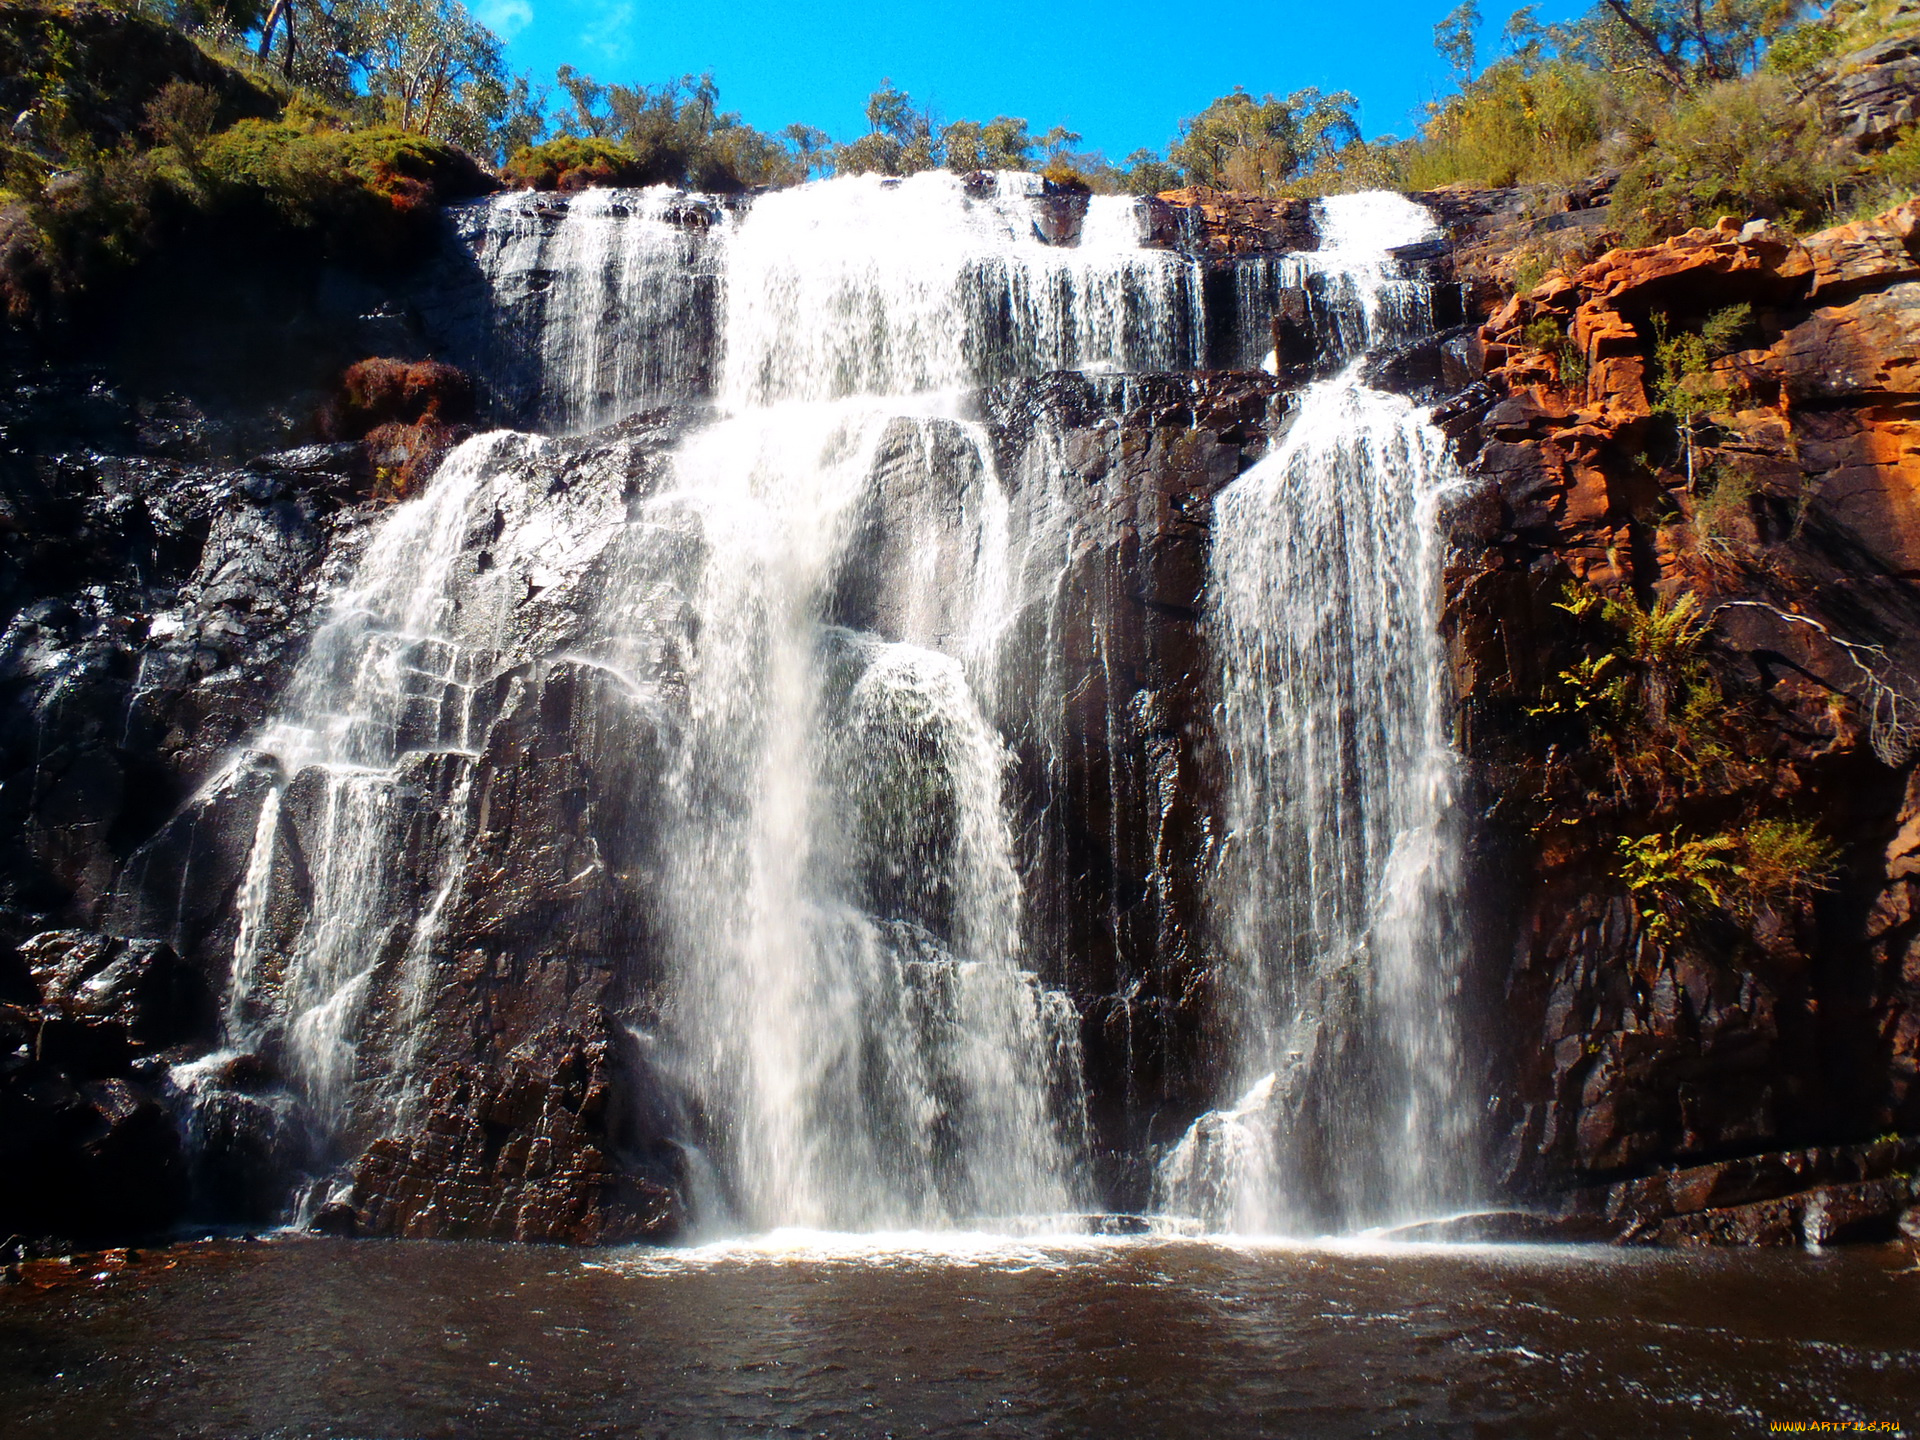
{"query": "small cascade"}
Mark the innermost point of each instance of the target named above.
(1336, 892)
(865, 286)
(1357, 296)
(603, 302)
(373, 753)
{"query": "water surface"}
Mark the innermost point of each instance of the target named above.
(809, 1335)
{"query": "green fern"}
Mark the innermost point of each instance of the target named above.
(1673, 879)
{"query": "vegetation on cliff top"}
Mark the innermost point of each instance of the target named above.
(1699, 111)
(130, 142)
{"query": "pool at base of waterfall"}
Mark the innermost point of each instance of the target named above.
(801, 1333)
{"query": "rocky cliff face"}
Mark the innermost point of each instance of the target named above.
(1649, 1014)
(1680, 1053)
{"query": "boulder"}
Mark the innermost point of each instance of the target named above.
(1876, 90)
(140, 986)
(1218, 224)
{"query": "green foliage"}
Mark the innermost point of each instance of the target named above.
(1002, 143)
(1801, 49)
(1890, 177)
(1530, 267)
(1357, 165)
(1701, 106)
(1644, 658)
(1544, 333)
(1642, 695)
(1783, 861)
(1455, 38)
(1597, 683)
(1724, 501)
(1685, 45)
(1240, 143)
(574, 162)
(357, 188)
(1672, 878)
(1148, 174)
(365, 196)
(1675, 880)
(1063, 174)
(676, 133)
(1526, 119)
(1743, 148)
(423, 65)
(1687, 386)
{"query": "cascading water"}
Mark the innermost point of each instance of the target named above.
(601, 303)
(1334, 900)
(375, 743)
(807, 612)
(1357, 293)
(811, 624)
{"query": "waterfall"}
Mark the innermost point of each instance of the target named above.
(1335, 894)
(375, 746)
(803, 608)
(601, 302)
(869, 286)
(763, 651)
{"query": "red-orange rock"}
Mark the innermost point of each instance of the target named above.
(1864, 467)
(1862, 350)
(1228, 222)
(1700, 271)
(1866, 255)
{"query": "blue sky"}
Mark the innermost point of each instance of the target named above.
(1121, 72)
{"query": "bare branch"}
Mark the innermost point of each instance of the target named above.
(1647, 38)
(1892, 730)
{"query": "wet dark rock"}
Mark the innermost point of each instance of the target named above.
(1059, 215)
(1417, 369)
(140, 986)
(520, 1157)
(85, 1149)
(1504, 1227)
(335, 1218)
(1116, 774)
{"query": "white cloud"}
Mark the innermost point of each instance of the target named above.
(610, 34)
(506, 18)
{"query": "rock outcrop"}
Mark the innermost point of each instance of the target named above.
(1770, 485)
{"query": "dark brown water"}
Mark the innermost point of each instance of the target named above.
(1128, 1338)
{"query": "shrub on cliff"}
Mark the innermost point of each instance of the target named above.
(88, 72)
(407, 415)
(674, 133)
(382, 391)
(575, 162)
(1745, 148)
(364, 196)
(132, 143)
(1528, 118)
(1240, 143)
(364, 193)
